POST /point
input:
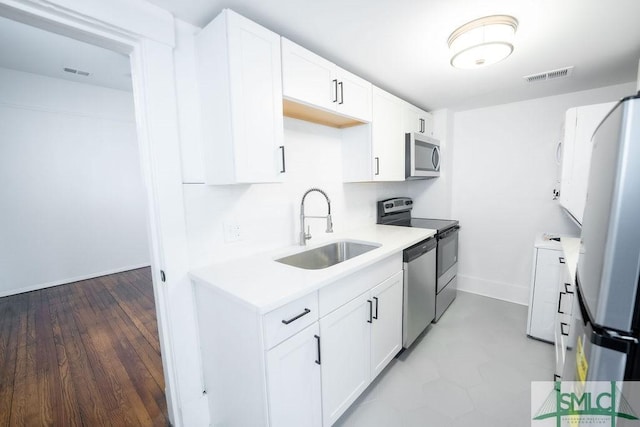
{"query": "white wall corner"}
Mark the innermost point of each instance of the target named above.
(488, 288)
(188, 102)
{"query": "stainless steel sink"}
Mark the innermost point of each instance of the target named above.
(327, 255)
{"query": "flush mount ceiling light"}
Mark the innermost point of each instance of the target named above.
(483, 41)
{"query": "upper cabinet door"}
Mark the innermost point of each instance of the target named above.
(580, 124)
(415, 120)
(354, 95)
(240, 80)
(387, 137)
(313, 81)
(307, 77)
(568, 144)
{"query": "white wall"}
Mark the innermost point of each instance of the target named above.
(504, 173)
(73, 201)
(432, 197)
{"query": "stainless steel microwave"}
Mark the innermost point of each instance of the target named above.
(422, 156)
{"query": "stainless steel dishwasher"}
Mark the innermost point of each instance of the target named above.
(419, 289)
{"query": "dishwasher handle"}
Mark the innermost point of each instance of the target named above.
(419, 249)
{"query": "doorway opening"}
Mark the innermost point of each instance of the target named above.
(78, 324)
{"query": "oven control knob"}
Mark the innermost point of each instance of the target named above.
(408, 202)
(388, 205)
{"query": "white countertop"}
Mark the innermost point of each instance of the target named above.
(263, 284)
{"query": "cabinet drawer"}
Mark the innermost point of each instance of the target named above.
(283, 322)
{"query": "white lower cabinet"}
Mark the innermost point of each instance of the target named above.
(543, 303)
(358, 340)
(306, 362)
(386, 329)
(293, 376)
(563, 334)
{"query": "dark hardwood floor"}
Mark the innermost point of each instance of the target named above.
(82, 354)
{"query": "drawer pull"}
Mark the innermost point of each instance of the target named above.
(561, 259)
(562, 326)
(306, 311)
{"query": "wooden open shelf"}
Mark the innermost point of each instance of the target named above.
(310, 114)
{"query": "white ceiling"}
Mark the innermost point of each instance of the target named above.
(29, 49)
(401, 45)
(398, 45)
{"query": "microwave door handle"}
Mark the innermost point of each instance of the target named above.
(436, 162)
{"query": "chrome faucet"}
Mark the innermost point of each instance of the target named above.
(306, 236)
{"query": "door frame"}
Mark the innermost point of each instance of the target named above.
(146, 33)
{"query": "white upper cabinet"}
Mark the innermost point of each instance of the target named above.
(580, 124)
(416, 120)
(387, 137)
(307, 77)
(354, 95)
(313, 81)
(239, 72)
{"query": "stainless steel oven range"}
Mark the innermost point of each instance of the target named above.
(397, 211)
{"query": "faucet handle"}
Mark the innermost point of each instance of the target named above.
(308, 235)
(329, 224)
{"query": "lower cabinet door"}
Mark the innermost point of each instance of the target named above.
(386, 329)
(345, 342)
(293, 378)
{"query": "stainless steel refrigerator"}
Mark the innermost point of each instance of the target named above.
(606, 312)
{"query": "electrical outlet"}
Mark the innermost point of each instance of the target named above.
(232, 232)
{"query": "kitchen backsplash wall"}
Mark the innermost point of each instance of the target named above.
(268, 214)
(505, 170)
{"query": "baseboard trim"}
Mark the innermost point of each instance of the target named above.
(70, 280)
(492, 289)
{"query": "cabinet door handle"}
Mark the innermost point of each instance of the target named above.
(370, 311)
(305, 312)
(284, 169)
(377, 165)
(561, 259)
(341, 93)
(318, 360)
(421, 125)
(562, 326)
(335, 90)
(567, 289)
(376, 315)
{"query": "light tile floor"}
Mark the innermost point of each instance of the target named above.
(472, 369)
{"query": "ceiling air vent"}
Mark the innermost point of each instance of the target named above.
(549, 75)
(78, 72)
